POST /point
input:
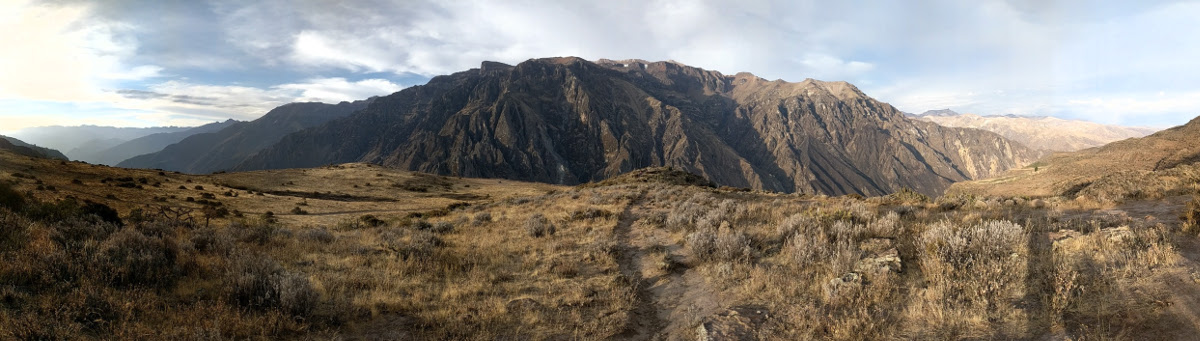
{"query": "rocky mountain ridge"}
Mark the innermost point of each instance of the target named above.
(569, 120)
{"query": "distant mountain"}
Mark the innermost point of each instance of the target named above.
(147, 144)
(87, 139)
(224, 149)
(1040, 132)
(1138, 164)
(20, 147)
(570, 121)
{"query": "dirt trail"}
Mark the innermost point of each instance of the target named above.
(672, 300)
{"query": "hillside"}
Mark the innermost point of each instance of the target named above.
(571, 121)
(1042, 133)
(1136, 164)
(146, 144)
(226, 148)
(85, 139)
(357, 251)
(20, 147)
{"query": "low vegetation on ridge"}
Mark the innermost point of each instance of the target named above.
(625, 259)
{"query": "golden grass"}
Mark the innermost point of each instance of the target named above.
(641, 260)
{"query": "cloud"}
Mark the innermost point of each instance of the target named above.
(58, 53)
(1070, 58)
(337, 89)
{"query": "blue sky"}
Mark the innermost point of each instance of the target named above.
(145, 63)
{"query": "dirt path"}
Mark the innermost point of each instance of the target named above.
(672, 298)
(643, 321)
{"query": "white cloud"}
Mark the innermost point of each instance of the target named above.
(337, 89)
(56, 53)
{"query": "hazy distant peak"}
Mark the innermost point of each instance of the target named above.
(938, 113)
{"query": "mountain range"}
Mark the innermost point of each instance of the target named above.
(80, 142)
(1041, 132)
(569, 121)
(235, 141)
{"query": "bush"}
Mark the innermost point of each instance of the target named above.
(298, 210)
(257, 282)
(321, 235)
(482, 218)
(10, 198)
(538, 226)
(702, 243)
(590, 213)
(130, 258)
(1191, 215)
(731, 245)
(442, 227)
(210, 240)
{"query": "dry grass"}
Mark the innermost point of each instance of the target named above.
(610, 261)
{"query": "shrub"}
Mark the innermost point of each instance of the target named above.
(371, 221)
(130, 258)
(590, 213)
(298, 210)
(10, 198)
(482, 218)
(537, 226)
(420, 225)
(442, 227)
(257, 282)
(420, 244)
(210, 240)
(320, 235)
(702, 243)
(731, 245)
(1191, 215)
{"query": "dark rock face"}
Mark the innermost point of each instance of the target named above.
(569, 121)
(224, 149)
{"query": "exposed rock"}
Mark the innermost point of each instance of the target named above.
(740, 323)
(571, 121)
(881, 256)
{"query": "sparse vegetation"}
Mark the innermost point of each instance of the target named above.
(602, 261)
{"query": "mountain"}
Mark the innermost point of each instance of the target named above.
(1137, 163)
(1044, 133)
(87, 139)
(224, 149)
(569, 121)
(20, 147)
(148, 144)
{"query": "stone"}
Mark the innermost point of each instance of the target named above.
(738, 323)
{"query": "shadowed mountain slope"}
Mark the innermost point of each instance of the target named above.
(569, 121)
(221, 150)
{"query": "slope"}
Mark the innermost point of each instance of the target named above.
(569, 121)
(1044, 133)
(149, 144)
(1167, 154)
(221, 150)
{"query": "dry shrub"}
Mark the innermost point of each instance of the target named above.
(257, 282)
(732, 245)
(130, 258)
(978, 268)
(1191, 216)
(537, 226)
(482, 218)
(318, 234)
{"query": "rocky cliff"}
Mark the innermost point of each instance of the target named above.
(569, 121)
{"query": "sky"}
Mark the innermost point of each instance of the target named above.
(190, 62)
